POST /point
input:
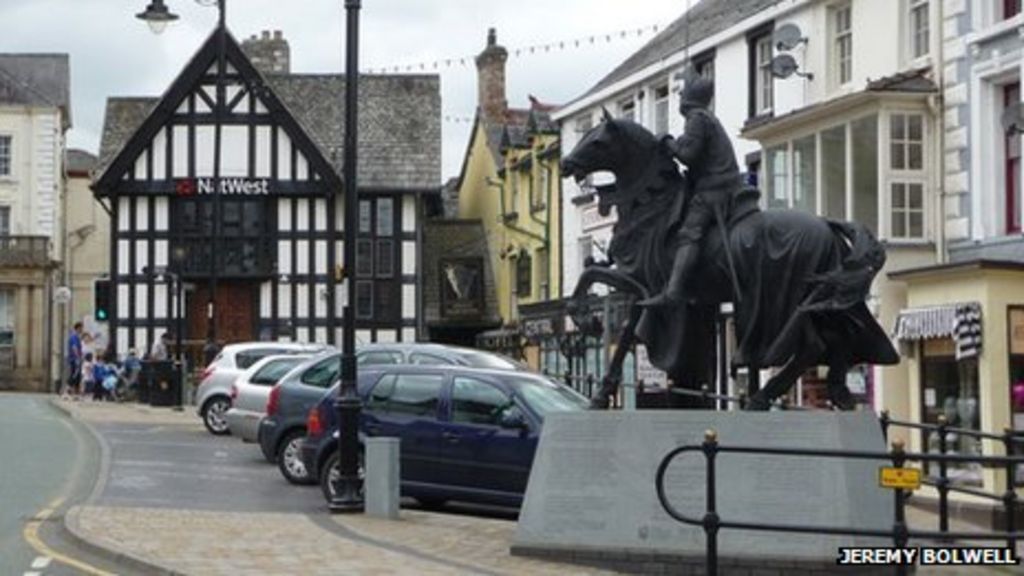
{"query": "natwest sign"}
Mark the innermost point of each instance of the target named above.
(228, 186)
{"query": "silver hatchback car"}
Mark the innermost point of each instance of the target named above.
(213, 397)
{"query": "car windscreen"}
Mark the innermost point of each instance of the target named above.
(274, 370)
(544, 396)
(249, 357)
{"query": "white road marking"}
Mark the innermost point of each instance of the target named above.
(220, 454)
(33, 574)
(41, 562)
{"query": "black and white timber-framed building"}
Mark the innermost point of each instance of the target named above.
(264, 269)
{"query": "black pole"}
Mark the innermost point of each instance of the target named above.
(211, 303)
(178, 338)
(348, 495)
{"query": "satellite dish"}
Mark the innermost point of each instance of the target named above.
(787, 37)
(783, 66)
(1013, 119)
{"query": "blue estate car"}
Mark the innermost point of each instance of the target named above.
(467, 434)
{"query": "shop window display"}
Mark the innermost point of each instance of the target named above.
(950, 388)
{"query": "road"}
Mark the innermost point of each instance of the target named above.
(47, 463)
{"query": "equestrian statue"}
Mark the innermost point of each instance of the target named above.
(683, 244)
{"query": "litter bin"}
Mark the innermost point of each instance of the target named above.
(161, 382)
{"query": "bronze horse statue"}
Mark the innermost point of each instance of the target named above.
(798, 293)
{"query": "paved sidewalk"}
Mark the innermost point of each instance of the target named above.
(178, 541)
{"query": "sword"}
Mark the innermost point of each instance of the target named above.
(728, 254)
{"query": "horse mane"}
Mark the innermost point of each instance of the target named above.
(659, 174)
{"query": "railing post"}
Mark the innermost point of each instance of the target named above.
(884, 420)
(1010, 496)
(743, 400)
(899, 528)
(711, 519)
(943, 483)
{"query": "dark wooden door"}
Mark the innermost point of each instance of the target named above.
(235, 309)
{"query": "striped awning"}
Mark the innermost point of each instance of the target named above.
(961, 322)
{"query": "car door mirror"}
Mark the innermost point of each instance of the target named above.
(513, 419)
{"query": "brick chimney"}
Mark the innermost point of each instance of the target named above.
(269, 54)
(490, 68)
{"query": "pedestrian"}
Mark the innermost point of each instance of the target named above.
(74, 361)
(131, 369)
(87, 376)
(159, 350)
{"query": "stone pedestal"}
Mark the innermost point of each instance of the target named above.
(592, 499)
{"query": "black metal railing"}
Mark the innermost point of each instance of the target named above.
(24, 251)
(900, 533)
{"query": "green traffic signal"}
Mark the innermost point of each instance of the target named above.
(101, 302)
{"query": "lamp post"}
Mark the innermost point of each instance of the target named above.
(348, 495)
(178, 257)
(158, 16)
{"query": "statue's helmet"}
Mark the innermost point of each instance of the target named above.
(697, 90)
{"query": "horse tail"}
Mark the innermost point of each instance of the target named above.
(862, 248)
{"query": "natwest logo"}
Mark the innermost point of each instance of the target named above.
(230, 186)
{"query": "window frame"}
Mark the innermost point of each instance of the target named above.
(761, 81)
(9, 173)
(627, 109)
(1012, 196)
(704, 64)
(918, 28)
(841, 43)
(905, 175)
(1009, 9)
(5, 220)
(661, 108)
(524, 275)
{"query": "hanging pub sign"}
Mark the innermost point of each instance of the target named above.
(462, 287)
(228, 187)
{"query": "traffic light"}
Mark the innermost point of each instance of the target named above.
(101, 300)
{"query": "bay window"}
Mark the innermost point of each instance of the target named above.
(859, 170)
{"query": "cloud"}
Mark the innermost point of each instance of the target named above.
(114, 54)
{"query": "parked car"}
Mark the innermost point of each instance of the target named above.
(283, 429)
(213, 396)
(250, 391)
(466, 434)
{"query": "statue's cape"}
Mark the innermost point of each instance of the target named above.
(803, 283)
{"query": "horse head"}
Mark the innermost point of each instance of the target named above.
(619, 146)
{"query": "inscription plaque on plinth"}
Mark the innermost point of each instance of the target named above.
(592, 486)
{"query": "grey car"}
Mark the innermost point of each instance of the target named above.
(213, 397)
(283, 429)
(251, 390)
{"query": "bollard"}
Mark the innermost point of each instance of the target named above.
(382, 481)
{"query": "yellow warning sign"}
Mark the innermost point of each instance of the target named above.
(899, 478)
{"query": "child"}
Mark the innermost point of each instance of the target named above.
(87, 376)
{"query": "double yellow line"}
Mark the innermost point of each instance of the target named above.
(31, 534)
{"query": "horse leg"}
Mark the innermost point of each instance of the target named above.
(838, 393)
(613, 377)
(782, 382)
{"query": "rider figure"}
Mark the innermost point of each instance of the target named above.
(706, 151)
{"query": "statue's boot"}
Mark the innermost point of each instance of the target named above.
(675, 289)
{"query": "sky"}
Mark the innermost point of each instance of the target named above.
(114, 54)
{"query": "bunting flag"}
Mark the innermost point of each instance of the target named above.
(517, 52)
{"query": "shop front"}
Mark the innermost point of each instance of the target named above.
(962, 336)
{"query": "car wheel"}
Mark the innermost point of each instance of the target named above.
(214, 415)
(330, 472)
(289, 459)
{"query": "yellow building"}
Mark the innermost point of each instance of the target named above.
(510, 183)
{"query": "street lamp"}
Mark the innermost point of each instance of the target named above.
(158, 16)
(348, 495)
